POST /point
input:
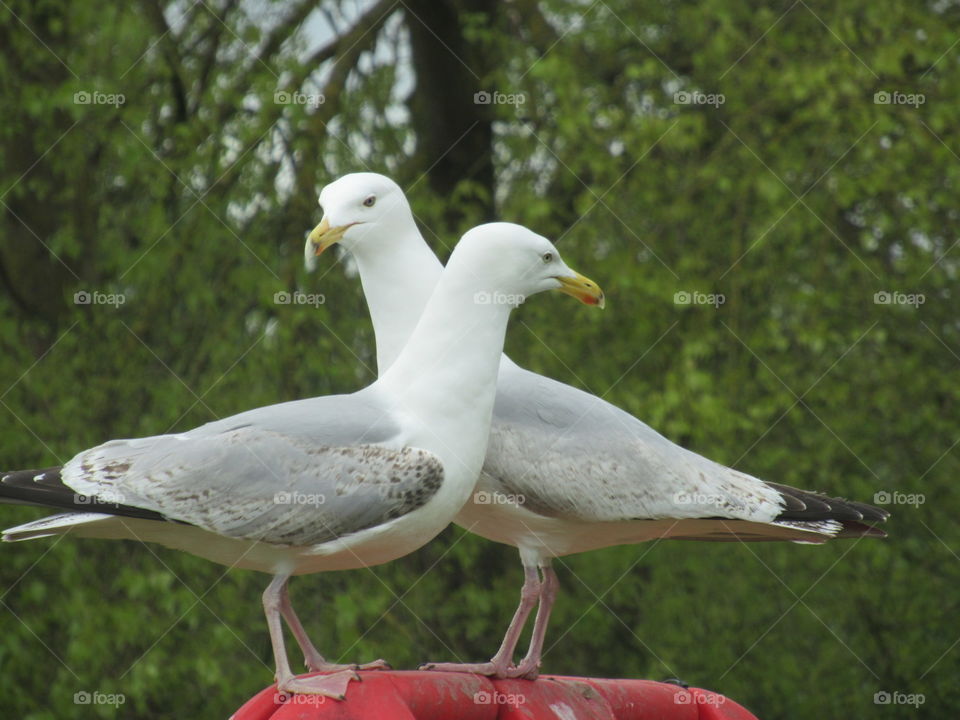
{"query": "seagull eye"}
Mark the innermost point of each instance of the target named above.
(370, 201)
(548, 257)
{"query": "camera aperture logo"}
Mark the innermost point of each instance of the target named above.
(899, 698)
(299, 498)
(695, 97)
(484, 697)
(683, 297)
(298, 298)
(286, 97)
(281, 698)
(687, 697)
(85, 97)
(108, 496)
(85, 697)
(498, 298)
(86, 297)
(485, 497)
(895, 297)
(885, 97)
(687, 498)
(484, 97)
(887, 497)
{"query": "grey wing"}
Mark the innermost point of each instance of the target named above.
(265, 475)
(330, 420)
(568, 454)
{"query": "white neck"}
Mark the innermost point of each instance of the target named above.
(444, 380)
(397, 283)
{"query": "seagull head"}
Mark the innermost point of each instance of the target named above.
(359, 210)
(510, 262)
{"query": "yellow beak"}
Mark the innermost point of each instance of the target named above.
(323, 236)
(582, 288)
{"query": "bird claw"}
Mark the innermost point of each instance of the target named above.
(321, 665)
(487, 669)
(332, 686)
(526, 670)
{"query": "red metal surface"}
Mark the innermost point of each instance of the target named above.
(412, 695)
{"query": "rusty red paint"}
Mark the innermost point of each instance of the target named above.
(415, 695)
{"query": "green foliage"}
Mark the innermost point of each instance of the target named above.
(796, 199)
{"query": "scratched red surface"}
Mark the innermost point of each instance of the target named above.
(413, 695)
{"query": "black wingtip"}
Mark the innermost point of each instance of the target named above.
(816, 506)
(44, 487)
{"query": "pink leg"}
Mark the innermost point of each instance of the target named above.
(334, 686)
(499, 666)
(529, 667)
(314, 661)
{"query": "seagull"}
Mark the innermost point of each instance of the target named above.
(326, 483)
(565, 471)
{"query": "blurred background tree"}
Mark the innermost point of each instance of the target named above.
(767, 194)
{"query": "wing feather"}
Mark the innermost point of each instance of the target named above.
(299, 474)
(255, 484)
(563, 453)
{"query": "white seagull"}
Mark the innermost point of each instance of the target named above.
(565, 471)
(328, 483)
